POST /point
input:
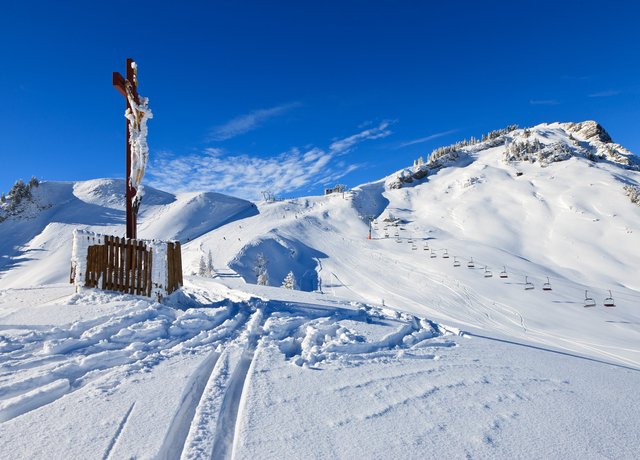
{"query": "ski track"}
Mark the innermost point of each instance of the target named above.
(116, 435)
(231, 404)
(175, 438)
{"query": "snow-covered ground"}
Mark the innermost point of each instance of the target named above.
(388, 349)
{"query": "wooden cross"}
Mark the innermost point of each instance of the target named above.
(121, 85)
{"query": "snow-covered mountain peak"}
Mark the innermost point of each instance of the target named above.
(110, 193)
(542, 144)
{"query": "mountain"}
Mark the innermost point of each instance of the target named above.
(35, 238)
(387, 346)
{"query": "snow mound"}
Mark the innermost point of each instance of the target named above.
(109, 193)
(282, 255)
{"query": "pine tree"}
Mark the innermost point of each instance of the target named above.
(263, 278)
(202, 269)
(209, 264)
(3, 199)
(261, 263)
(34, 182)
(260, 270)
(289, 281)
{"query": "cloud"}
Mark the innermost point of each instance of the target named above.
(428, 138)
(544, 102)
(608, 93)
(344, 145)
(246, 176)
(248, 122)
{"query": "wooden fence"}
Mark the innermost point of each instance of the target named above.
(126, 265)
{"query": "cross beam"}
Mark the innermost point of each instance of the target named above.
(120, 83)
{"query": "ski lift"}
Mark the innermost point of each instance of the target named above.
(410, 240)
(456, 262)
(588, 301)
(446, 254)
(503, 273)
(487, 272)
(546, 286)
(414, 247)
(433, 255)
(426, 246)
(386, 234)
(608, 301)
(528, 285)
(470, 264)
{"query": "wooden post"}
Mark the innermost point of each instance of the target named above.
(121, 85)
(170, 273)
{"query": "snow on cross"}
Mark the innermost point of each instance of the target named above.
(137, 115)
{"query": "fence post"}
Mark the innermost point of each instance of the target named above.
(178, 252)
(170, 273)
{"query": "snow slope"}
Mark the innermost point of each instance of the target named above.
(35, 245)
(389, 350)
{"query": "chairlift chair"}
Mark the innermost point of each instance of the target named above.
(426, 246)
(503, 273)
(470, 264)
(588, 301)
(546, 286)
(528, 285)
(386, 234)
(456, 262)
(446, 254)
(608, 301)
(414, 247)
(433, 255)
(487, 272)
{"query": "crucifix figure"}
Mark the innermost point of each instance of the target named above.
(137, 114)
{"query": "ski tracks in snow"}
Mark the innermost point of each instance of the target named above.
(43, 365)
(212, 424)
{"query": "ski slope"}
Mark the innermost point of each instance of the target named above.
(387, 348)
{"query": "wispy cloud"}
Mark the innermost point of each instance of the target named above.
(607, 93)
(246, 175)
(341, 146)
(428, 138)
(544, 102)
(248, 122)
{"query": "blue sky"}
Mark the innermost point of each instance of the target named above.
(291, 96)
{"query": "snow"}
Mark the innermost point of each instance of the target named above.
(384, 352)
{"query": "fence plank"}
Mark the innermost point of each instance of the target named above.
(169, 287)
(107, 248)
(132, 267)
(139, 267)
(116, 263)
(149, 273)
(94, 266)
(121, 267)
(129, 261)
(112, 262)
(178, 252)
